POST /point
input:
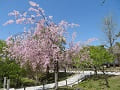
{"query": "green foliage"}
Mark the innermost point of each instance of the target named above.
(82, 59)
(99, 55)
(2, 45)
(9, 68)
(92, 56)
(27, 82)
(30, 73)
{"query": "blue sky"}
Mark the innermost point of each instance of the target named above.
(88, 14)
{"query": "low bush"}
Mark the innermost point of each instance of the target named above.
(28, 82)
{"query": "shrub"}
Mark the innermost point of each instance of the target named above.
(27, 82)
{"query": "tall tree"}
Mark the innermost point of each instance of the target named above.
(41, 47)
(110, 31)
(99, 56)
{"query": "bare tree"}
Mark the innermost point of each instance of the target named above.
(110, 32)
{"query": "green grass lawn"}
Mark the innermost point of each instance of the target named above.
(94, 83)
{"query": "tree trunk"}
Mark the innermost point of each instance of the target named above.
(36, 77)
(56, 74)
(47, 73)
(56, 80)
(8, 84)
(105, 77)
(95, 70)
(65, 70)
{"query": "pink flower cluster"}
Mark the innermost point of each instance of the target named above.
(43, 46)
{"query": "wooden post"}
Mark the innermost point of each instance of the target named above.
(90, 73)
(4, 84)
(78, 81)
(66, 82)
(8, 84)
(43, 86)
(24, 88)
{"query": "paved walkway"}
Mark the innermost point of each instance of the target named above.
(78, 77)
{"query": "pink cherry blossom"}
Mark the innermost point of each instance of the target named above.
(14, 13)
(43, 46)
(90, 40)
(8, 22)
(33, 9)
(50, 17)
(20, 20)
(33, 4)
